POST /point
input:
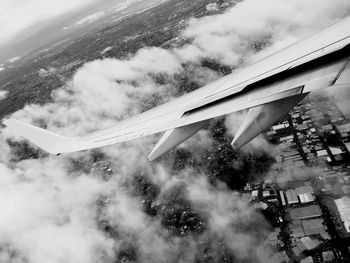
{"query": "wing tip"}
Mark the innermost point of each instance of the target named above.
(48, 141)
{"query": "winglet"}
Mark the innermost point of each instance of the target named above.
(48, 141)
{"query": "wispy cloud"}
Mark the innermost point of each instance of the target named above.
(17, 15)
(91, 18)
(14, 59)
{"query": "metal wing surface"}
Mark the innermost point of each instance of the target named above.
(312, 63)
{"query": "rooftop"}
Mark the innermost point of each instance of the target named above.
(306, 198)
(343, 205)
(292, 197)
(305, 212)
(297, 229)
(313, 227)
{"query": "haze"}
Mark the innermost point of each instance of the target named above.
(29, 25)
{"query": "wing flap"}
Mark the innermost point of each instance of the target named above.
(262, 117)
(174, 137)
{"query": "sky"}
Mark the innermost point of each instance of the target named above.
(18, 15)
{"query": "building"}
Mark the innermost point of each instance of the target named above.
(308, 227)
(322, 153)
(280, 126)
(336, 150)
(314, 227)
(343, 205)
(304, 194)
(327, 256)
(266, 193)
(306, 212)
(306, 198)
(283, 200)
(305, 243)
(296, 229)
(292, 197)
(310, 243)
(307, 260)
(255, 193)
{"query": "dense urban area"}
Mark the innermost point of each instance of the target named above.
(307, 197)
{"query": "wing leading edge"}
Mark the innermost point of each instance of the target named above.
(269, 89)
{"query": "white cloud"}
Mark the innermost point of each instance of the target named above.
(18, 15)
(3, 93)
(91, 18)
(106, 50)
(66, 27)
(14, 59)
(122, 6)
(47, 217)
(212, 7)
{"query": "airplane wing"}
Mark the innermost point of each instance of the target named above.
(268, 89)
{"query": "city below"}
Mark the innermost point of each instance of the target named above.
(307, 194)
